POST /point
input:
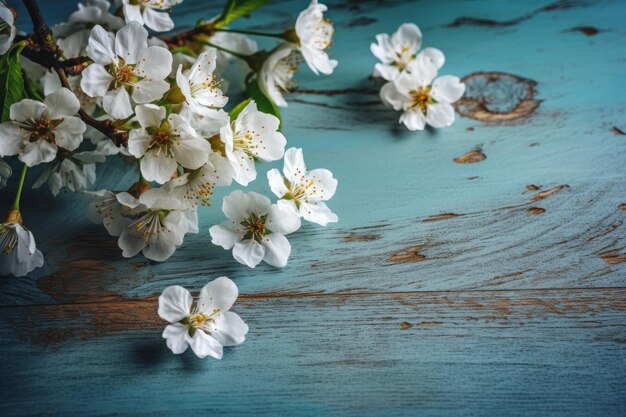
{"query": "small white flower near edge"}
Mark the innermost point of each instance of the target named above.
(209, 325)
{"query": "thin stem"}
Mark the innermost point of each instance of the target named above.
(228, 51)
(250, 32)
(18, 194)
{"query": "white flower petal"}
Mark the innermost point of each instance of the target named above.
(95, 80)
(391, 97)
(248, 252)
(157, 166)
(220, 293)
(132, 13)
(388, 72)
(130, 41)
(138, 142)
(382, 49)
(157, 21)
(27, 109)
(318, 212)
(61, 103)
(69, 133)
(440, 115)
(238, 206)
(175, 336)
(154, 62)
(282, 221)
(100, 46)
(447, 88)
(277, 250)
(325, 184)
(117, 103)
(204, 345)
(35, 153)
(229, 329)
(434, 55)
(408, 36)
(294, 168)
(175, 303)
(277, 183)
(11, 139)
(149, 115)
(191, 152)
(146, 90)
(413, 120)
(225, 234)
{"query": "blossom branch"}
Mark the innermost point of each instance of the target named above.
(47, 53)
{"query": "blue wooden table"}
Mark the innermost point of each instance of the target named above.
(476, 270)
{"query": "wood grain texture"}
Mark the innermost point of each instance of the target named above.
(476, 270)
(401, 354)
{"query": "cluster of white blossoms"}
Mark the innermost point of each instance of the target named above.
(412, 83)
(106, 84)
(116, 88)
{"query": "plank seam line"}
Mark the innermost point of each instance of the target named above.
(153, 298)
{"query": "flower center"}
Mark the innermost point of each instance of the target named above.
(404, 58)
(245, 141)
(299, 192)
(197, 320)
(323, 34)
(124, 74)
(255, 228)
(420, 98)
(207, 83)
(200, 187)
(41, 129)
(285, 70)
(162, 139)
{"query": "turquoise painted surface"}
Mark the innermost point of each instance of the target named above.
(500, 310)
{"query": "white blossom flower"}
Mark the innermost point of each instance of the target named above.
(124, 64)
(207, 124)
(422, 98)
(73, 46)
(253, 135)
(162, 144)
(37, 130)
(255, 229)
(277, 72)
(314, 36)
(152, 13)
(199, 84)
(76, 172)
(5, 173)
(235, 42)
(18, 252)
(196, 187)
(93, 12)
(113, 210)
(237, 72)
(207, 326)
(7, 28)
(304, 191)
(159, 224)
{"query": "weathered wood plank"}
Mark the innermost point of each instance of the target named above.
(444, 353)
(391, 180)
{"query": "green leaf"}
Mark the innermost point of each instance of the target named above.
(238, 108)
(11, 81)
(234, 9)
(263, 103)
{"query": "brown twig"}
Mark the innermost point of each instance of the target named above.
(179, 39)
(44, 51)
